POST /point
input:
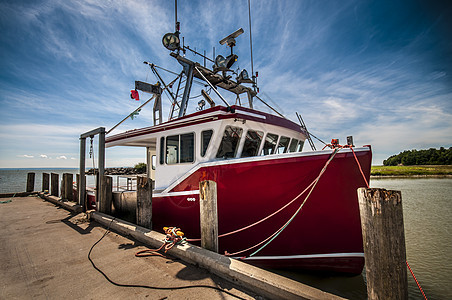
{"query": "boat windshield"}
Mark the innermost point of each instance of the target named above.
(229, 142)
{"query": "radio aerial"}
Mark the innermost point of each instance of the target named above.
(230, 39)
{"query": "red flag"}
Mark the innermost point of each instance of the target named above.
(134, 95)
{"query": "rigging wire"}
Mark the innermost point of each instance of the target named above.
(274, 103)
(174, 73)
(316, 137)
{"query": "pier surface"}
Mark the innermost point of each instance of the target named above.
(44, 255)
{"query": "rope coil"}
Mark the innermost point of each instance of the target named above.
(174, 236)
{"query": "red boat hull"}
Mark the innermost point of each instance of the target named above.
(325, 235)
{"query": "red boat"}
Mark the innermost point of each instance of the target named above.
(278, 206)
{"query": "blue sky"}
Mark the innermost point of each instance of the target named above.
(378, 70)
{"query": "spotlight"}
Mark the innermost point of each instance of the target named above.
(171, 41)
(220, 62)
(224, 64)
(244, 77)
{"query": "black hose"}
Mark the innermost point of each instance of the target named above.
(148, 286)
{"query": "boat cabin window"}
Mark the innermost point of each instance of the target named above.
(206, 136)
(252, 143)
(300, 146)
(293, 145)
(162, 150)
(269, 144)
(283, 144)
(172, 149)
(229, 142)
(296, 145)
(187, 148)
(180, 148)
(153, 161)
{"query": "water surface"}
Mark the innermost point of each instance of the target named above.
(427, 209)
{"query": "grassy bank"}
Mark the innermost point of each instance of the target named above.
(436, 170)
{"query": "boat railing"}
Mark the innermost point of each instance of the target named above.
(130, 183)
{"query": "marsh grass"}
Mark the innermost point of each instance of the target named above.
(411, 170)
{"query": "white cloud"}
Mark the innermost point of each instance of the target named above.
(26, 156)
(380, 99)
(61, 157)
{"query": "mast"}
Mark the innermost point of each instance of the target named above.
(219, 76)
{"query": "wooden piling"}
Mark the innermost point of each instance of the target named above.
(106, 183)
(45, 182)
(208, 215)
(54, 184)
(384, 243)
(144, 201)
(67, 186)
(30, 182)
(77, 187)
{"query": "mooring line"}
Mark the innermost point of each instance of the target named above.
(269, 239)
(417, 282)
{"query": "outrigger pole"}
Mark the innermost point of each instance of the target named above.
(303, 125)
(136, 110)
(214, 89)
(150, 88)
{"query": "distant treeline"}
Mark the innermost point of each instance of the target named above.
(431, 156)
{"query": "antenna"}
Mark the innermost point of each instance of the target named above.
(230, 39)
(177, 23)
(253, 77)
(251, 39)
(171, 41)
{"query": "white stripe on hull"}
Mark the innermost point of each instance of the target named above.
(183, 193)
(327, 255)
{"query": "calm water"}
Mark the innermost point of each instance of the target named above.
(427, 210)
(427, 206)
(15, 180)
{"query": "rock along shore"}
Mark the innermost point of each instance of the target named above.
(118, 171)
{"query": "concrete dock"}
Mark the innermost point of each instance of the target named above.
(45, 246)
(44, 253)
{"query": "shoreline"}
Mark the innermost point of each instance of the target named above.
(410, 176)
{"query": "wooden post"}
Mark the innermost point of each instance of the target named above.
(45, 182)
(208, 215)
(67, 186)
(77, 187)
(81, 187)
(30, 182)
(144, 201)
(97, 189)
(54, 184)
(384, 243)
(106, 183)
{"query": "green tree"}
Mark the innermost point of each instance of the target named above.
(431, 156)
(140, 168)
